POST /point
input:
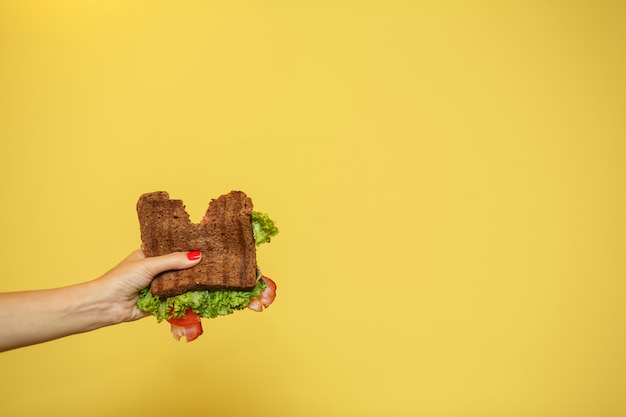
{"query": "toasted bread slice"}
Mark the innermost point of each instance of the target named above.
(224, 236)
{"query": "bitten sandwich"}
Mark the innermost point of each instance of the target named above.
(226, 279)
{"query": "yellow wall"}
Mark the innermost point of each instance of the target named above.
(448, 178)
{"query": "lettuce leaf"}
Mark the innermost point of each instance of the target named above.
(208, 304)
(263, 228)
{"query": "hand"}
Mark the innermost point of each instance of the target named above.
(123, 283)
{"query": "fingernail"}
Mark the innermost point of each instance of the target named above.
(194, 255)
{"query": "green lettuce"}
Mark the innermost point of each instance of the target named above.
(210, 304)
(263, 228)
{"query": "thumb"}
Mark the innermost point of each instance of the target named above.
(172, 261)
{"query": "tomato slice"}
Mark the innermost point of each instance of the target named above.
(188, 326)
(269, 293)
(266, 298)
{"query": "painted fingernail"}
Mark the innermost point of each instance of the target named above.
(194, 255)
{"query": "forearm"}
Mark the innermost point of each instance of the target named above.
(32, 317)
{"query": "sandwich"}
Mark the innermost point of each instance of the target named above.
(227, 278)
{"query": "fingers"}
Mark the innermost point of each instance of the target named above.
(176, 260)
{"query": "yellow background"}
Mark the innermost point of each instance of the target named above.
(448, 178)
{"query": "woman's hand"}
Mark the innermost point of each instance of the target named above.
(123, 283)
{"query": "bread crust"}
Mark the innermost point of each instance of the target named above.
(224, 236)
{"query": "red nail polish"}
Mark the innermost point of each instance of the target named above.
(194, 255)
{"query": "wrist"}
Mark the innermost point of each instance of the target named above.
(95, 306)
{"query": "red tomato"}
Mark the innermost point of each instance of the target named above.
(189, 326)
(189, 318)
(270, 283)
(266, 298)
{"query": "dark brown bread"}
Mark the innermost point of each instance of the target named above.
(224, 236)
